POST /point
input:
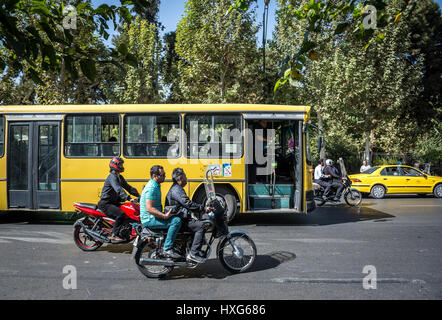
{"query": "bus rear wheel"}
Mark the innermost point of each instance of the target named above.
(225, 197)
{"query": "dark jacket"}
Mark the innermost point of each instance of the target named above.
(113, 189)
(328, 170)
(177, 197)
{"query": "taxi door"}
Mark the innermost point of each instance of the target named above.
(392, 178)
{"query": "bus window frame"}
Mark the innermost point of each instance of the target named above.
(3, 142)
(220, 156)
(65, 128)
(180, 129)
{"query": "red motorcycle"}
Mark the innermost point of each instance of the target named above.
(91, 231)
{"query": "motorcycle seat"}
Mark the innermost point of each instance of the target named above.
(152, 233)
(87, 205)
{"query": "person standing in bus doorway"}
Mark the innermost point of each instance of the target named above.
(151, 211)
(113, 194)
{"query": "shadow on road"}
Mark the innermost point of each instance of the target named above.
(214, 270)
(321, 216)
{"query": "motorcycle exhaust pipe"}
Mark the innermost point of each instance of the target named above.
(94, 234)
(168, 263)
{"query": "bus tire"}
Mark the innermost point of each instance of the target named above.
(226, 197)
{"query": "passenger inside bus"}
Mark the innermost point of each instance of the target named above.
(286, 148)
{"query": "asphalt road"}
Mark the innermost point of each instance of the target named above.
(316, 256)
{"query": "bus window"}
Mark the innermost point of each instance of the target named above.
(2, 136)
(152, 136)
(214, 136)
(92, 135)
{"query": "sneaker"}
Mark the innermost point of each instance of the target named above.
(171, 254)
(194, 257)
(116, 239)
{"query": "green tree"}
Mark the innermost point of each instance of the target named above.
(43, 32)
(218, 54)
(140, 84)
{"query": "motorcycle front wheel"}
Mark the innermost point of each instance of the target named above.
(353, 197)
(150, 271)
(241, 256)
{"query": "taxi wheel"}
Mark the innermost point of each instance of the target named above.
(378, 191)
(438, 191)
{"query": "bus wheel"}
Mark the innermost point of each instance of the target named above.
(225, 196)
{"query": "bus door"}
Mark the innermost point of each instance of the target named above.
(33, 164)
(284, 188)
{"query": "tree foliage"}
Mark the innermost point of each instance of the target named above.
(218, 53)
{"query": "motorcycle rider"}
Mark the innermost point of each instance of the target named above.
(330, 173)
(177, 197)
(113, 194)
(319, 176)
(151, 211)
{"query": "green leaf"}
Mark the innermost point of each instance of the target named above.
(122, 48)
(88, 68)
(279, 83)
(125, 14)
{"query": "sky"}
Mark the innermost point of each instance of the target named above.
(172, 10)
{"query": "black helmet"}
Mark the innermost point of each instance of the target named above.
(116, 164)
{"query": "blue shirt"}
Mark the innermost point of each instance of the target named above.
(151, 191)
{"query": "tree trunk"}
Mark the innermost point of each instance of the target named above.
(321, 130)
(367, 148)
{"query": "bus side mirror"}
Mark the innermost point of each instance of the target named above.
(320, 143)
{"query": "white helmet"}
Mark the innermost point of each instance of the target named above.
(328, 162)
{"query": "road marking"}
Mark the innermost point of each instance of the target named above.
(34, 240)
(345, 281)
(420, 205)
(322, 240)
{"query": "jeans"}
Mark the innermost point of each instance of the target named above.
(197, 228)
(173, 225)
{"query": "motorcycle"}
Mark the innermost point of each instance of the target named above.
(236, 250)
(352, 197)
(95, 229)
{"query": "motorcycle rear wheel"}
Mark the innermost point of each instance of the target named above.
(83, 241)
(353, 197)
(150, 271)
(241, 261)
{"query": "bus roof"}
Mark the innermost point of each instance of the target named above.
(123, 108)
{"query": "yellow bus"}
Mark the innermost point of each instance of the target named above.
(54, 155)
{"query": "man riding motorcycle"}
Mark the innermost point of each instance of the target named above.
(178, 198)
(113, 194)
(329, 174)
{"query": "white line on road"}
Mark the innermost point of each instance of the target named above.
(420, 205)
(322, 240)
(36, 240)
(350, 280)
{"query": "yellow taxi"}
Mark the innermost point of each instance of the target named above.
(396, 179)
